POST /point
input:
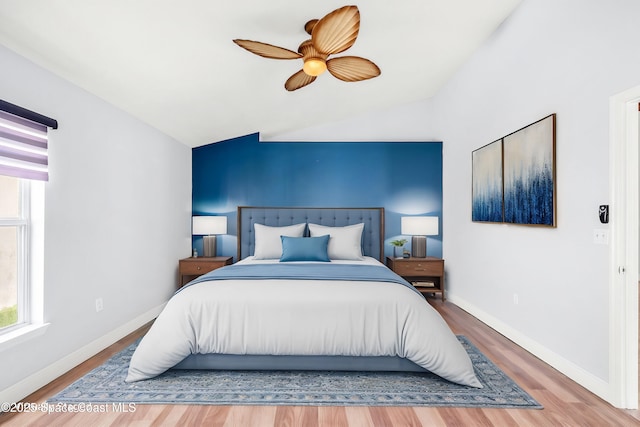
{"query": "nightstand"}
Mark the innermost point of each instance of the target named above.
(426, 274)
(194, 267)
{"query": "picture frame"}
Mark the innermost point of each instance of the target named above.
(487, 187)
(514, 177)
(529, 169)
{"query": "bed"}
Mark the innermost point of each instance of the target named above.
(309, 291)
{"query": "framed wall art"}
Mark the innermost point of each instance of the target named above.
(514, 178)
(530, 174)
(487, 190)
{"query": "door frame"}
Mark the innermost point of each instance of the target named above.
(624, 248)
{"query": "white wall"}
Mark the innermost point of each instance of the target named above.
(117, 219)
(566, 57)
(411, 122)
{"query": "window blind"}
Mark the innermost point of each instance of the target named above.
(23, 142)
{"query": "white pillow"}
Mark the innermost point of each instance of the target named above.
(268, 242)
(345, 242)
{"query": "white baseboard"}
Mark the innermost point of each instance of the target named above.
(592, 383)
(43, 377)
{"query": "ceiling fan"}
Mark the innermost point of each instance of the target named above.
(334, 33)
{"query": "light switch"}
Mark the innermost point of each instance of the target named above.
(601, 236)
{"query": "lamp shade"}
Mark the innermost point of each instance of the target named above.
(209, 225)
(419, 225)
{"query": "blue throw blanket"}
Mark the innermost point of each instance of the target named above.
(320, 271)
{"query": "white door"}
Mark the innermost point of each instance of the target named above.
(625, 248)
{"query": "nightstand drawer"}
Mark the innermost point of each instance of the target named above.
(430, 268)
(190, 267)
(200, 267)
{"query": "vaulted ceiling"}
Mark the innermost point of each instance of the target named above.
(173, 64)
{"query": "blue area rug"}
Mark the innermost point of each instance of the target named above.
(105, 384)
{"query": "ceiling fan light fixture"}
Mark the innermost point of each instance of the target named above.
(314, 67)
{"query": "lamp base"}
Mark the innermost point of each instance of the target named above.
(209, 246)
(419, 246)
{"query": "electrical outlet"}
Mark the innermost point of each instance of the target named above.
(516, 300)
(601, 236)
(99, 305)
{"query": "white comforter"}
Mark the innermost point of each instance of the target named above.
(310, 317)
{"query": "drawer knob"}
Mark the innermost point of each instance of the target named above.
(198, 267)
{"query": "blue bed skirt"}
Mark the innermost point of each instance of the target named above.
(231, 362)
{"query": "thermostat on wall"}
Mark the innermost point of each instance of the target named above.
(603, 212)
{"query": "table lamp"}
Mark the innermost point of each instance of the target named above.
(209, 226)
(418, 227)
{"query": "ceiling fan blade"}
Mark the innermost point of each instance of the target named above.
(352, 68)
(267, 50)
(337, 31)
(298, 80)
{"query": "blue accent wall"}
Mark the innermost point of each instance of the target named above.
(403, 177)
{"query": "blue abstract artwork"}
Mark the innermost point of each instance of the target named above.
(529, 174)
(487, 191)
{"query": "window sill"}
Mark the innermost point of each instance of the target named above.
(21, 335)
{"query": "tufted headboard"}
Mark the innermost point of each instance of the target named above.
(372, 236)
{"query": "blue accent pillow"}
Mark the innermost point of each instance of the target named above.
(305, 248)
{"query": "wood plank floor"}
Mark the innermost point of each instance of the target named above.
(565, 402)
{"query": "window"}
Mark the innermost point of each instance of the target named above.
(14, 250)
(23, 168)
